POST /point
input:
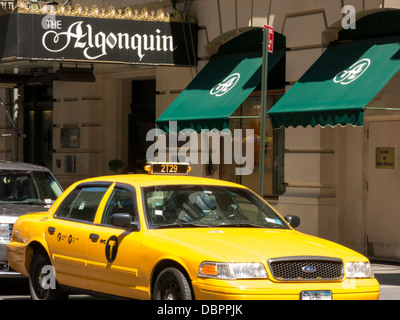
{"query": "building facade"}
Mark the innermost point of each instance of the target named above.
(331, 176)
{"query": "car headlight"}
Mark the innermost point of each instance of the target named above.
(5, 232)
(359, 270)
(233, 270)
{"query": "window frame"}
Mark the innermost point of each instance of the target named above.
(276, 179)
(132, 190)
(82, 186)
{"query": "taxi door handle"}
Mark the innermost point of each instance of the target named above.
(94, 237)
(51, 230)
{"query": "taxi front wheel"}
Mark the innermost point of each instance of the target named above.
(171, 284)
(42, 282)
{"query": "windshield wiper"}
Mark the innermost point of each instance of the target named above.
(21, 202)
(183, 225)
(32, 202)
(250, 225)
(241, 225)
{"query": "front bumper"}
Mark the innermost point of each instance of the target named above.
(9, 273)
(5, 270)
(348, 289)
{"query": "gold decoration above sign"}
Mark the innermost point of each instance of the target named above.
(22, 6)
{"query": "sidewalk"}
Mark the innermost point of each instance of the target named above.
(388, 275)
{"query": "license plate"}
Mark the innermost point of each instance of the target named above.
(316, 295)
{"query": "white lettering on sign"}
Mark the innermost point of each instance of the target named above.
(96, 45)
(354, 72)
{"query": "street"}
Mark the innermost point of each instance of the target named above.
(387, 274)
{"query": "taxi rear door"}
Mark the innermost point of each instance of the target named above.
(112, 252)
(67, 233)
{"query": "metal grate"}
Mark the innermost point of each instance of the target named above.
(306, 268)
(11, 226)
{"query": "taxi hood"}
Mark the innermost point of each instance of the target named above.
(9, 213)
(249, 244)
(20, 209)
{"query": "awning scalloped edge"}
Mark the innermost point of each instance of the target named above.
(22, 6)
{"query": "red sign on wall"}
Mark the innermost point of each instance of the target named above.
(270, 38)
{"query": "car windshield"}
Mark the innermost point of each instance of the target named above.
(207, 206)
(28, 187)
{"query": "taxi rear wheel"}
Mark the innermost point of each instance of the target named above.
(171, 284)
(41, 285)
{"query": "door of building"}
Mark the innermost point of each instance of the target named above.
(383, 190)
(141, 120)
(38, 125)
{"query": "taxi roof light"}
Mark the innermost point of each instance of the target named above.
(173, 168)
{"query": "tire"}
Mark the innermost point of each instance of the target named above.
(36, 277)
(171, 284)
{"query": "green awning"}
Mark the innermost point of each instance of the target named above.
(339, 85)
(216, 92)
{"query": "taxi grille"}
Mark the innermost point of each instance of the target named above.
(306, 269)
(11, 229)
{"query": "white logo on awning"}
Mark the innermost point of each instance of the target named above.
(225, 85)
(354, 72)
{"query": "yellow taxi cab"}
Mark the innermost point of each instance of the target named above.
(178, 237)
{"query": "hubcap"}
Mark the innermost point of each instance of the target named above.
(40, 285)
(171, 290)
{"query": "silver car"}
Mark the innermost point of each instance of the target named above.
(24, 188)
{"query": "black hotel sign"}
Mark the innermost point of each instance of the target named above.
(76, 38)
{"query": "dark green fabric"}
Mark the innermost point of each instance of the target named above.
(316, 99)
(377, 25)
(196, 108)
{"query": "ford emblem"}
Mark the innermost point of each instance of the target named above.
(309, 269)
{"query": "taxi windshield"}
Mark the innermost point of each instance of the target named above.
(28, 187)
(207, 206)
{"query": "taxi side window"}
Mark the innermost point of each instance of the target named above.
(121, 201)
(82, 203)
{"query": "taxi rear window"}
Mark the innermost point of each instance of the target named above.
(82, 203)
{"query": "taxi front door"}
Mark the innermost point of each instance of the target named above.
(112, 252)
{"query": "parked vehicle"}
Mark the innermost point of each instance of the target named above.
(24, 188)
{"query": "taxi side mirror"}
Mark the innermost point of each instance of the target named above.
(123, 220)
(294, 221)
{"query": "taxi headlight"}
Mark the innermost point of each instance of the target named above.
(359, 270)
(233, 270)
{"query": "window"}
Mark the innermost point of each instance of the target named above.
(82, 203)
(121, 201)
(247, 117)
(28, 187)
(183, 206)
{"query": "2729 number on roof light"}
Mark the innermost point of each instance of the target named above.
(167, 168)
